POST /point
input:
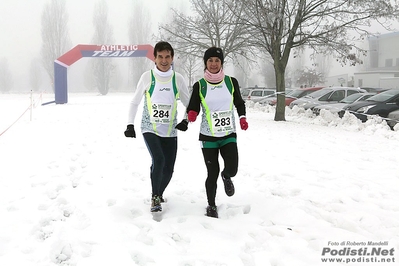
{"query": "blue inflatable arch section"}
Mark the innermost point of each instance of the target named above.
(62, 63)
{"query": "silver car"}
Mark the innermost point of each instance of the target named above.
(336, 107)
(325, 96)
(259, 94)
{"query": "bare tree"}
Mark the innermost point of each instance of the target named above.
(35, 77)
(214, 24)
(309, 77)
(103, 68)
(55, 35)
(189, 65)
(326, 26)
(139, 33)
(269, 74)
(6, 81)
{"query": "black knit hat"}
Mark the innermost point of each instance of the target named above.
(213, 52)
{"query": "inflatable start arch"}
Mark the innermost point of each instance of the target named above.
(62, 63)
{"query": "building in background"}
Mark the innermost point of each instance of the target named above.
(382, 63)
(343, 80)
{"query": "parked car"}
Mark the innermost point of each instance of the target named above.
(336, 107)
(288, 90)
(245, 92)
(325, 96)
(393, 119)
(380, 104)
(257, 94)
(291, 96)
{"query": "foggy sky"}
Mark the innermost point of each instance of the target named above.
(20, 29)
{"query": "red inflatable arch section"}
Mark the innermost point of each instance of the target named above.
(62, 63)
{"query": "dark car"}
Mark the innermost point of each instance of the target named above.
(380, 104)
(393, 119)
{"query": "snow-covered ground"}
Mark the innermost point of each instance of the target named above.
(75, 191)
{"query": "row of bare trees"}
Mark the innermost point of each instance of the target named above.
(56, 42)
(103, 71)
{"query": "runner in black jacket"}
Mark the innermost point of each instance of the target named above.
(216, 94)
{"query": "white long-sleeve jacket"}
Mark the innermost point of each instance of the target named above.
(161, 96)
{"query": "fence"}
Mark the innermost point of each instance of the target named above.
(33, 104)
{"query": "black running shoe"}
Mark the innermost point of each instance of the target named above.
(156, 204)
(212, 211)
(228, 186)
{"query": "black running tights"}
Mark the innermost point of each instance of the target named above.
(163, 153)
(229, 153)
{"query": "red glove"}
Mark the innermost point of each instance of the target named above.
(243, 123)
(192, 115)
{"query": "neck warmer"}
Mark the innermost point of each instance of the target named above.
(163, 74)
(214, 78)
